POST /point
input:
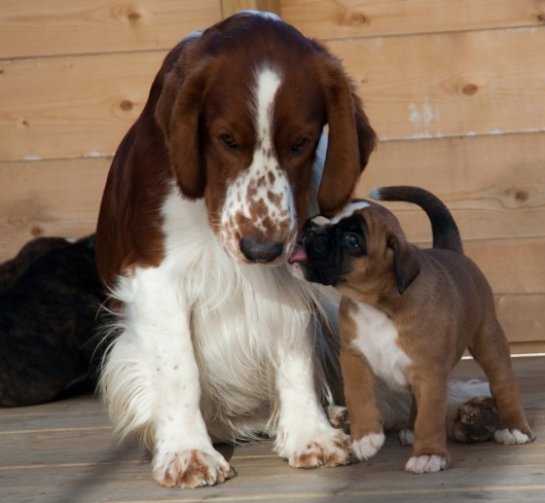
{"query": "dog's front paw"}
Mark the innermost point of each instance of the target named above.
(191, 468)
(511, 436)
(329, 447)
(338, 416)
(426, 463)
(367, 446)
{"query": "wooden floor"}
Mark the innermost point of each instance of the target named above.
(63, 452)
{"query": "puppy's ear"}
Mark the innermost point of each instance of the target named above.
(405, 262)
(177, 114)
(351, 138)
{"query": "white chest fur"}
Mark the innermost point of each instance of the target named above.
(377, 339)
(241, 317)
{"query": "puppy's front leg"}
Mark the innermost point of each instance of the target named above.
(151, 382)
(365, 419)
(430, 438)
(359, 382)
(304, 435)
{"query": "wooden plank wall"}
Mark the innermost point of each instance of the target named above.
(455, 89)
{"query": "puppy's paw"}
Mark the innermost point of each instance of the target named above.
(406, 436)
(338, 416)
(191, 468)
(512, 436)
(367, 446)
(476, 421)
(324, 448)
(426, 463)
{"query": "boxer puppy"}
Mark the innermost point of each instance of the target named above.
(406, 316)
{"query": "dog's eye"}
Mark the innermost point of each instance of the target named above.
(299, 146)
(228, 141)
(352, 241)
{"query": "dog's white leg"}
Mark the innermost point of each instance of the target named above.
(304, 435)
(151, 382)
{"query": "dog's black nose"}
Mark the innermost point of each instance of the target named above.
(257, 250)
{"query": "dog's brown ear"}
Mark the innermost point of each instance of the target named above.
(177, 114)
(405, 262)
(351, 138)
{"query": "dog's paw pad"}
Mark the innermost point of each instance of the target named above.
(426, 463)
(368, 446)
(511, 436)
(192, 468)
(406, 437)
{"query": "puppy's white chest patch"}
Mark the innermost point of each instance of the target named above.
(377, 339)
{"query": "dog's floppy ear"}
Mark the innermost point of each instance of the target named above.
(351, 138)
(177, 114)
(405, 262)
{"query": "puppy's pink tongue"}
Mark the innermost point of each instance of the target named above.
(299, 255)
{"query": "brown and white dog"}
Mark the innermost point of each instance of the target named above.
(203, 204)
(406, 316)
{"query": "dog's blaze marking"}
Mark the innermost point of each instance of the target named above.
(349, 209)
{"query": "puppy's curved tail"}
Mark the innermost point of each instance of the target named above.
(445, 232)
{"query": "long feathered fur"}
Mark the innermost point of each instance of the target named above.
(237, 355)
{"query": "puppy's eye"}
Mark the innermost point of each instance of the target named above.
(352, 241)
(228, 141)
(299, 145)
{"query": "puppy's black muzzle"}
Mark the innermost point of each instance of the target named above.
(324, 257)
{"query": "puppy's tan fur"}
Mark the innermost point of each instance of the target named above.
(440, 304)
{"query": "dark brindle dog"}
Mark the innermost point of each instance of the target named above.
(49, 297)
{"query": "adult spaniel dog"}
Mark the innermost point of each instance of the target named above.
(207, 192)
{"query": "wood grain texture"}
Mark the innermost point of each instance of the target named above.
(423, 86)
(230, 7)
(72, 106)
(326, 19)
(68, 465)
(511, 265)
(528, 348)
(450, 84)
(494, 185)
(49, 198)
(522, 317)
(29, 28)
